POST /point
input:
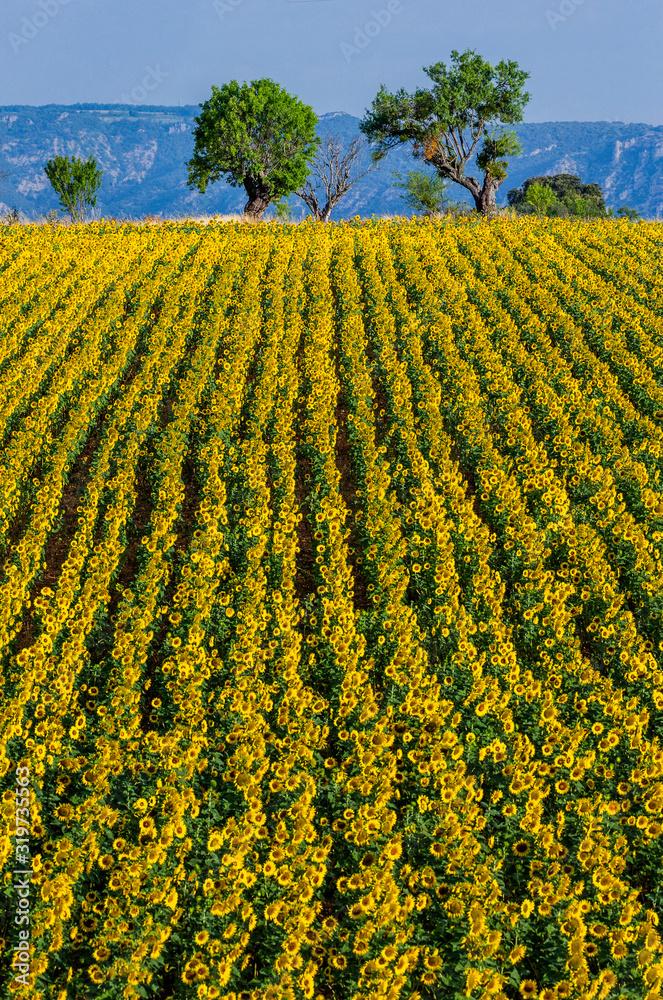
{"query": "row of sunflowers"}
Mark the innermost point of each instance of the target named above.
(331, 602)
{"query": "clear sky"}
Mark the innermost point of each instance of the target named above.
(589, 60)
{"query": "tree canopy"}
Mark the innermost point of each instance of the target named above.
(540, 197)
(423, 193)
(256, 135)
(76, 184)
(569, 196)
(445, 124)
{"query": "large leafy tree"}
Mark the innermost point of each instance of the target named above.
(256, 135)
(447, 123)
(569, 196)
(76, 182)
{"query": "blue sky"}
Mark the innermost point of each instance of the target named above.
(589, 60)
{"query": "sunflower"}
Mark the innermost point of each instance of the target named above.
(528, 988)
(521, 847)
(433, 962)
(214, 841)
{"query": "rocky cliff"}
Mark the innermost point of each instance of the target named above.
(143, 152)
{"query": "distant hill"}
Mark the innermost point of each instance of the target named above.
(143, 153)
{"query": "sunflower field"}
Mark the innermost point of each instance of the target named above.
(331, 611)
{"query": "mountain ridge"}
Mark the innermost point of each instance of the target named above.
(143, 152)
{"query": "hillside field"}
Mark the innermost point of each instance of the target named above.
(331, 596)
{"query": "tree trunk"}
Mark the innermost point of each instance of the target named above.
(484, 196)
(487, 196)
(259, 195)
(309, 197)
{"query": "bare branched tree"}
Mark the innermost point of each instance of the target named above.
(333, 170)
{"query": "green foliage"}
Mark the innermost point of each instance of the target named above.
(282, 211)
(256, 135)
(540, 197)
(495, 148)
(449, 120)
(469, 96)
(75, 183)
(423, 193)
(571, 198)
(628, 213)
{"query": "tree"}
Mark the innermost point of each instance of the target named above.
(282, 211)
(75, 183)
(445, 124)
(333, 171)
(628, 213)
(540, 197)
(423, 193)
(258, 136)
(572, 196)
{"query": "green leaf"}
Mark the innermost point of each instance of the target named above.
(256, 135)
